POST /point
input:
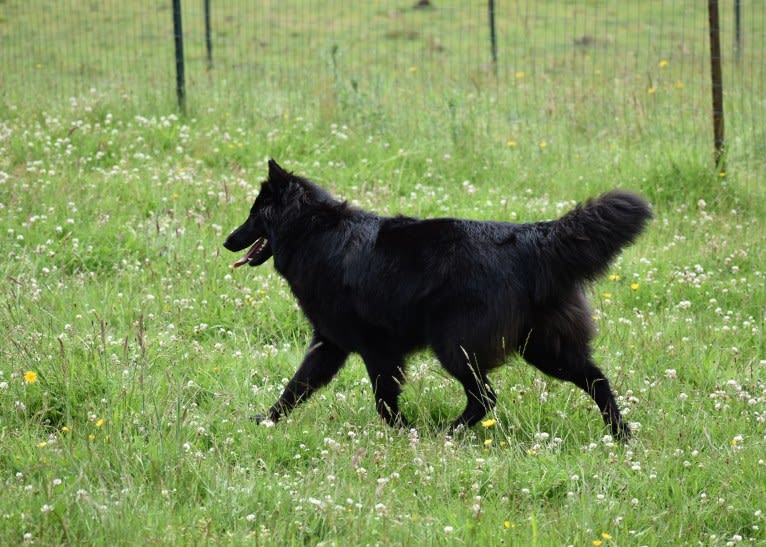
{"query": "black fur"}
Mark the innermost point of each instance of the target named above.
(474, 292)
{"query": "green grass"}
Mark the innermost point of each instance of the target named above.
(151, 354)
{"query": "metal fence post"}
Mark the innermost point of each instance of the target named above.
(493, 34)
(179, 42)
(717, 81)
(208, 40)
(738, 30)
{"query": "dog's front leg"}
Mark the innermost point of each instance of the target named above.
(322, 361)
(387, 378)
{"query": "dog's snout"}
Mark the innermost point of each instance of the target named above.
(239, 239)
(229, 243)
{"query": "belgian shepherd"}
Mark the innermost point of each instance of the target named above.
(474, 292)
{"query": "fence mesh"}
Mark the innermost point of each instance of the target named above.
(607, 69)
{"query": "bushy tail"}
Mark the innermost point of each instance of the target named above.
(583, 242)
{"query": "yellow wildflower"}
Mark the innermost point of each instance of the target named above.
(30, 376)
(100, 422)
(489, 422)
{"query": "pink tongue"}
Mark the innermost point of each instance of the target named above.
(250, 252)
(240, 262)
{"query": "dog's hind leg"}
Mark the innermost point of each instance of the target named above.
(480, 396)
(387, 378)
(322, 361)
(481, 400)
(592, 381)
(573, 363)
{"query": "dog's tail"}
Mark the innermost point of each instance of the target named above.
(583, 242)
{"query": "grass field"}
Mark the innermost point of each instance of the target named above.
(132, 357)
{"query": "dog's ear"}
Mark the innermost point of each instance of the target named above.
(277, 175)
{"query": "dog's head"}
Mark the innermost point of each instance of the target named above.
(284, 198)
(253, 232)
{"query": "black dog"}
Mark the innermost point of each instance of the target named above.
(474, 292)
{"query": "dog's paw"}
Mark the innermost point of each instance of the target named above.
(622, 432)
(455, 429)
(263, 419)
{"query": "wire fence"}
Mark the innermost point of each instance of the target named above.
(607, 69)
